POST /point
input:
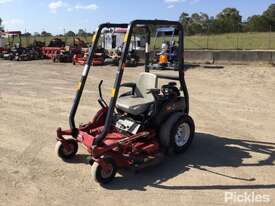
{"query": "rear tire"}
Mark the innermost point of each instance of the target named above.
(177, 133)
(101, 176)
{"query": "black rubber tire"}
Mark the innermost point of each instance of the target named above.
(97, 171)
(184, 119)
(168, 131)
(60, 149)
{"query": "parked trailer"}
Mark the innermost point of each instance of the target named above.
(113, 41)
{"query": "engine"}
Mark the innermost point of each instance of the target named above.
(170, 90)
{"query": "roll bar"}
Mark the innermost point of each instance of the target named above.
(170, 77)
(85, 73)
(120, 69)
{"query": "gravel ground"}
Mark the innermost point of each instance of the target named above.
(232, 155)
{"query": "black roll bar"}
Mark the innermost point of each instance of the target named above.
(121, 66)
(120, 70)
(86, 72)
(170, 77)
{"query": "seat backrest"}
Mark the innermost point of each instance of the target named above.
(145, 82)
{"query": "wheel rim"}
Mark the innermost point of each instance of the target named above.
(182, 134)
(107, 172)
(68, 149)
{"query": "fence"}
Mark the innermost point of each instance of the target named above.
(233, 41)
(203, 41)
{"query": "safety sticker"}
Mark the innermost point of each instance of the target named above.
(85, 70)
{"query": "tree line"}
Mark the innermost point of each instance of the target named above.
(227, 21)
(81, 32)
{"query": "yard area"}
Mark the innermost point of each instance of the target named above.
(233, 150)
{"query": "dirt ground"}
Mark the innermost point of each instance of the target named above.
(233, 152)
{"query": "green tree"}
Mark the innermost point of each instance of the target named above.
(261, 23)
(81, 32)
(269, 14)
(257, 23)
(200, 18)
(199, 23)
(185, 21)
(36, 34)
(44, 33)
(229, 20)
(26, 34)
(184, 18)
(214, 26)
(70, 33)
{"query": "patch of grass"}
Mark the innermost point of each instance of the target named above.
(258, 40)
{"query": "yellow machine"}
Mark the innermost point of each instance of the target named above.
(163, 59)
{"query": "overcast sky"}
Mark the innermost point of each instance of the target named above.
(56, 15)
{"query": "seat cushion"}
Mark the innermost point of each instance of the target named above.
(133, 105)
(144, 82)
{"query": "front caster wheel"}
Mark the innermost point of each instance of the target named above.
(107, 174)
(66, 149)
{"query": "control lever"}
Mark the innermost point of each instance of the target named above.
(155, 92)
(101, 101)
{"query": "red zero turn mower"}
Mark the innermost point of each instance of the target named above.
(139, 127)
(98, 59)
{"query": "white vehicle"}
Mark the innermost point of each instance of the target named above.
(113, 39)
